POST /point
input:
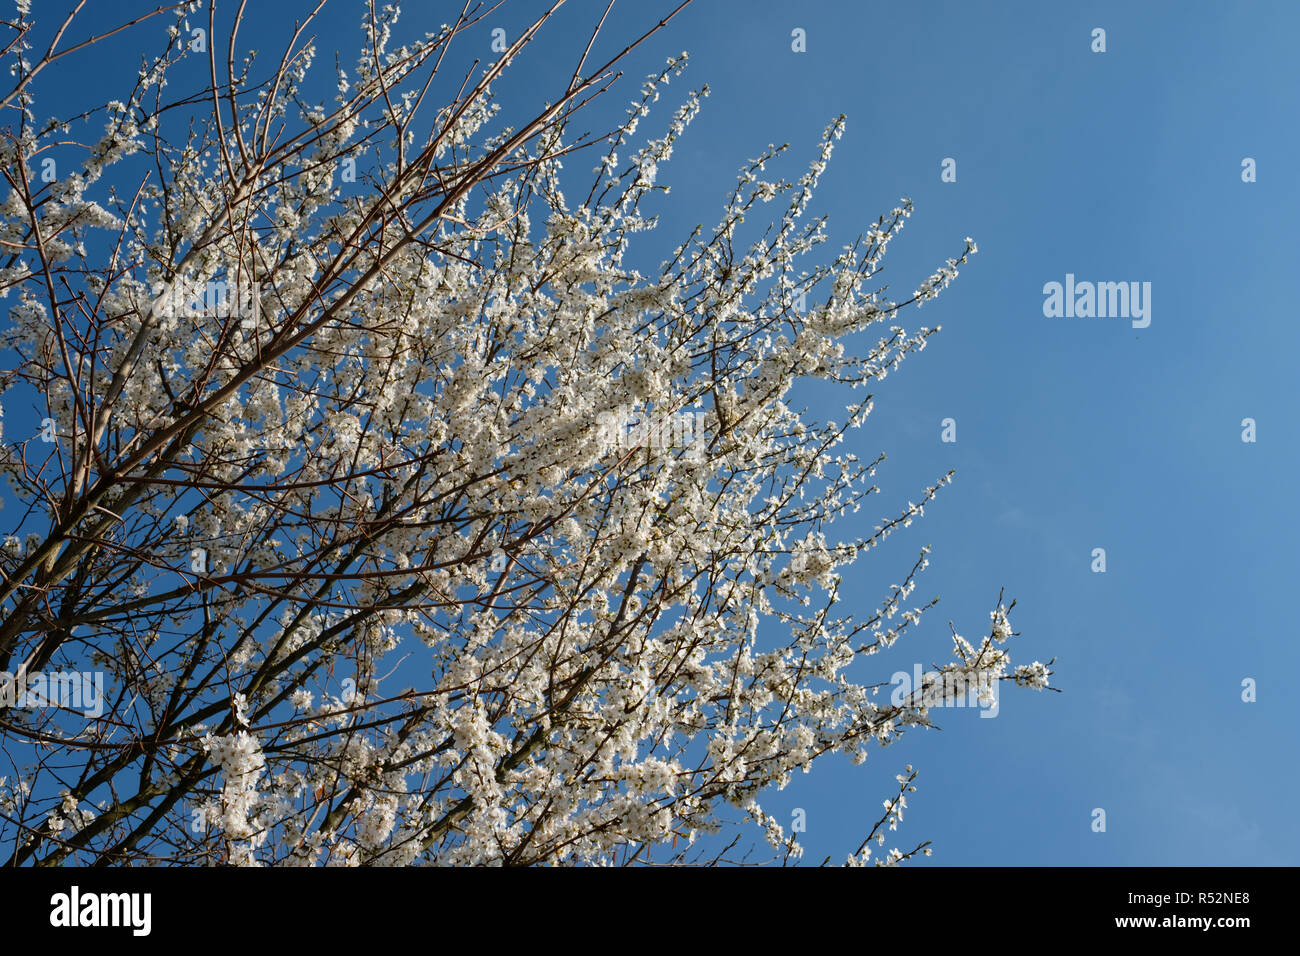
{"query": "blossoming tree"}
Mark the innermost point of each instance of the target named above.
(327, 475)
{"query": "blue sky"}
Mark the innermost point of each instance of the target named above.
(1072, 433)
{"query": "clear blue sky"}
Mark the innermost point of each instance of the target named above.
(1073, 434)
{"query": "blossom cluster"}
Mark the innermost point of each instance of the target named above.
(376, 583)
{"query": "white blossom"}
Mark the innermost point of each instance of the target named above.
(360, 553)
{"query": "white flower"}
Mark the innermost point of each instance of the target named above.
(436, 374)
(1032, 675)
(1001, 626)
